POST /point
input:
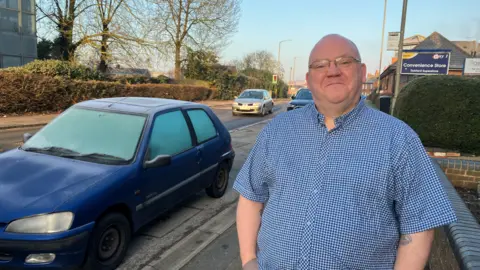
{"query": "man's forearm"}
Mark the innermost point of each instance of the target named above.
(248, 224)
(414, 250)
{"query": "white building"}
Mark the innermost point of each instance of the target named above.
(18, 38)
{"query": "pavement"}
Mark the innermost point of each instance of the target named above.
(200, 233)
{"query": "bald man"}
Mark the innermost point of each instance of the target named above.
(337, 184)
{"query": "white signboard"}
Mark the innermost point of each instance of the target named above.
(472, 66)
(393, 41)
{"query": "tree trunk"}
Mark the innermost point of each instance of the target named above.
(67, 48)
(102, 66)
(178, 61)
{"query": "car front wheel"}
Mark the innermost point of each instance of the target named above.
(219, 185)
(108, 243)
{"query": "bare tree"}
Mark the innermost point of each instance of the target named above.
(115, 28)
(200, 24)
(260, 60)
(63, 14)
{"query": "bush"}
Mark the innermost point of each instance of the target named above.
(443, 110)
(171, 91)
(59, 68)
(27, 93)
(138, 79)
(231, 85)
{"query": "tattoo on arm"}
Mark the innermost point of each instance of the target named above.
(405, 240)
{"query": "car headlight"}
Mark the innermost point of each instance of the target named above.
(48, 223)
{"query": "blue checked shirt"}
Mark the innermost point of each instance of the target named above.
(340, 199)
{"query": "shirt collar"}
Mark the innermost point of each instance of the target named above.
(342, 120)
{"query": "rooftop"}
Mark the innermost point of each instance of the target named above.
(437, 41)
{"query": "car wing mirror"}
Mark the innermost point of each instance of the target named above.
(158, 161)
(26, 137)
(293, 97)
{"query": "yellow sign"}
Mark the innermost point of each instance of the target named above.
(408, 55)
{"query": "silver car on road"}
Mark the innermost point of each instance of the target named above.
(253, 101)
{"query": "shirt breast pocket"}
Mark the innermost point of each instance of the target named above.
(369, 178)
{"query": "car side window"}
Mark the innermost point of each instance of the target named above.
(170, 135)
(202, 124)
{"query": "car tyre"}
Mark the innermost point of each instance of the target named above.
(263, 112)
(108, 243)
(220, 183)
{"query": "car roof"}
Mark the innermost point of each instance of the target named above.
(144, 105)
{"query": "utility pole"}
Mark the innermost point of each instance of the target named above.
(294, 67)
(291, 75)
(399, 58)
(381, 47)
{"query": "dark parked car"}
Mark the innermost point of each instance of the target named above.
(77, 190)
(302, 98)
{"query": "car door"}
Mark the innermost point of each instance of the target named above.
(268, 100)
(208, 142)
(165, 186)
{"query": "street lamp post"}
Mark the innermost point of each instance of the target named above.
(279, 44)
(399, 58)
(279, 64)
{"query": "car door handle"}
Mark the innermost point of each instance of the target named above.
(199, 156)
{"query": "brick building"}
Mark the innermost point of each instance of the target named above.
(434, 41)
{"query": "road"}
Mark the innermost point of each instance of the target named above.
(12, 138)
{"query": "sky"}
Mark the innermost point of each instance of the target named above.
(264, 23)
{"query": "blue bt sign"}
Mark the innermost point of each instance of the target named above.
(425, 62)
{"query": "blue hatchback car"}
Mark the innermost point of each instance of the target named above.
(75, 192)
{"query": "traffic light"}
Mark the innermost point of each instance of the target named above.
(274, 79)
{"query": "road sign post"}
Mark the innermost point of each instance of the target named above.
(275, 85)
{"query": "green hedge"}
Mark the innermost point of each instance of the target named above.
(26, 92)
(443, 110)
(58, 68)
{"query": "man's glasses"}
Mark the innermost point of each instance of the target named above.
(341, 62)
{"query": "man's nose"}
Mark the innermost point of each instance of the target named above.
(333, 70)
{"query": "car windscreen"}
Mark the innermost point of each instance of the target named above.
(304, 94)
(90, 134)
(252, 94)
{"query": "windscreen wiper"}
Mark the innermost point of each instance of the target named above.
(95, 155)
(50, 149)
